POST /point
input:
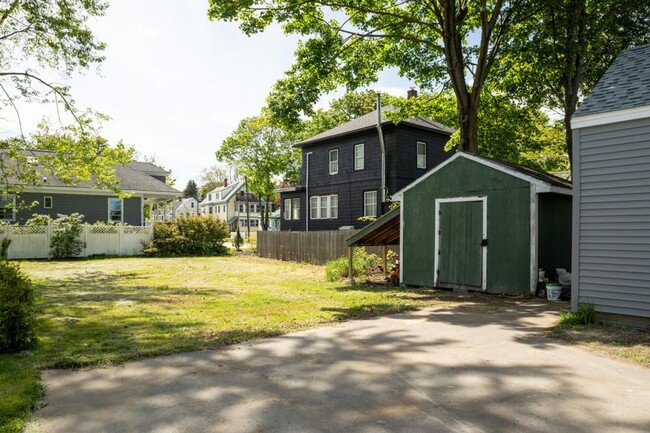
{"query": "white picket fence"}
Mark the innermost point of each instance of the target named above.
(34, 242)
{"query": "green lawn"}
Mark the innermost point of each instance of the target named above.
(101, 312)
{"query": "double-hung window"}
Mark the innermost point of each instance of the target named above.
(7, 207)
(324, 207)
(334, 161)
(422, 154)
(115, 208)
(295, 208)
(287, 208)
(370, 203)
(359, 156)
(47, 202)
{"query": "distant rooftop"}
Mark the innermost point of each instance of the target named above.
(626, 84)
(368, 121)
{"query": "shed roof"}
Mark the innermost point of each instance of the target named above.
(544, 181)
(626, 84)
(369, 121)
(383, 231)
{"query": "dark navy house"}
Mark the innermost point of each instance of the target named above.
(342, 170)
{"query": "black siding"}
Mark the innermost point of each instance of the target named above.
(350, 184)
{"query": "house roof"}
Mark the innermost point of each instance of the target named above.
(226, 192)
(130, 180)
(149, 168)
(369, 121)
(545, 182)
(625, 85)
(384, 231)
(185, 202)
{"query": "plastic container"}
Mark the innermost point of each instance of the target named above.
(553, 291)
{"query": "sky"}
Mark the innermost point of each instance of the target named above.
(176, 84)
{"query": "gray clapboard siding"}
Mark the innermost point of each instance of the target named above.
(613, 226)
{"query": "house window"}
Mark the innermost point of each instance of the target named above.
(7, 207)
(359, 156)
(287, 208)
(192, 205)
(370, 203)
(210, 210)
(47, 202)
(209, 197)
(295, 208)
(422, 154)
(255, 223)
(115, 207)
(324, 207)
(334, 161)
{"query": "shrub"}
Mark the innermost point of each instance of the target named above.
(65, 241)
(4, 248)
(586, 315)
(38, 220)
(16, 309)
(238, 241)
(188, 236)
(362, 262)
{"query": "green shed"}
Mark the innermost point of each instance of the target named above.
(481, 224)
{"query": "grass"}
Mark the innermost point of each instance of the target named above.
(611, 340)
(107, 311)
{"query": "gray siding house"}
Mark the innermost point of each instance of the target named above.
(143, 181)
(611, 179)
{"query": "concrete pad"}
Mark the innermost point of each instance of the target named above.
(428, 371)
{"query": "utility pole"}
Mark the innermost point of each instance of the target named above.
(248, 214)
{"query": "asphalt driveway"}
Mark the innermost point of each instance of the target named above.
(432, 371)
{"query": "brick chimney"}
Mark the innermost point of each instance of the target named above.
(411, 93)
(225, 181)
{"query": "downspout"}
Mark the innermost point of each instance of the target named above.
(306, 205)
(382, 149)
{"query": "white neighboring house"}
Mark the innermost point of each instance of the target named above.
(185, 207)
(232, 204)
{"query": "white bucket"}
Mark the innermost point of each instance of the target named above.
(553, 292)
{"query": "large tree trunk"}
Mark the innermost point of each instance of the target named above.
(264, 216)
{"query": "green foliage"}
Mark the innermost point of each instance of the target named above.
(16, 309)
(4, 248)
(238, 241)
(586, 315)
(191, 190)
(428, 42)
(38, 220)
(66, 232)
(188, 236)
(362, 263)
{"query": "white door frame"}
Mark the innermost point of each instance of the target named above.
(440, 201)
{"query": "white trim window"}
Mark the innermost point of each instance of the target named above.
(334, 161)
(287, 209)
(359, 156)
(422, 154)
(7, 207)
(324, 207)
(370, 203)
(47, 202)
(115, 210)
(295, 208)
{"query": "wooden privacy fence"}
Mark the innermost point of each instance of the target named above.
(312, 247)
(34, 242)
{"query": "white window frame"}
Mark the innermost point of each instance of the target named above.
(333, 162)
(295, 208)
(324, 207)
(359, 160)
(110, 199)
(421, 157)
(287, 209)
(45, 206)
(370, 203)
(13, 207)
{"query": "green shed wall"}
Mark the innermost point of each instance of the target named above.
(508, 221)
(554, 233)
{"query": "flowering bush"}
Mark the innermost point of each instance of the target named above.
(66, 232)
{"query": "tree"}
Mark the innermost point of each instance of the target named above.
(429, 41)
(40, 39)
(556, 58)
(191, 190)
(261, 152)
